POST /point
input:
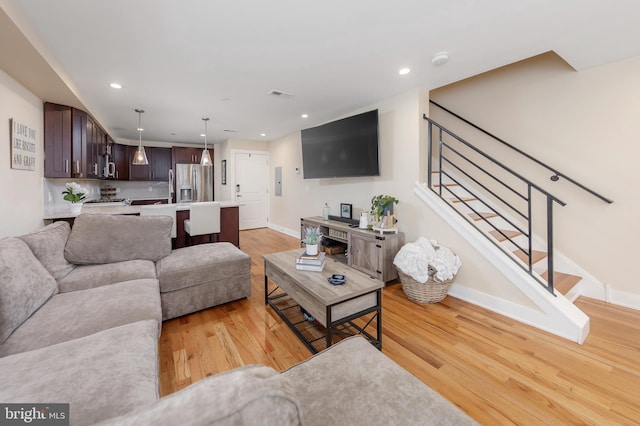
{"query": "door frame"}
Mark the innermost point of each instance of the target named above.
(231, 174)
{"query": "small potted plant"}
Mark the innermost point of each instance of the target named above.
(311, 238)
(75, 194)
(380, 206)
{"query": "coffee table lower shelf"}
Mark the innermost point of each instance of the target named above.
(313, 334)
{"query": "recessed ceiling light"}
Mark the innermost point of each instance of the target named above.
(305, 116)
(202, 135)
(440, 58)
(116, 85)
(263, 134)
(404, 71)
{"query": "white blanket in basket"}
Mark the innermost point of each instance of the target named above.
(414, 260)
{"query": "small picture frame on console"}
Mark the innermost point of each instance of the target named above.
(345, 210)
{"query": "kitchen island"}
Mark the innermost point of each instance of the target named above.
(229, 219)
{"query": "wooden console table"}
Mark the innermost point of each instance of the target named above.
(367, 251)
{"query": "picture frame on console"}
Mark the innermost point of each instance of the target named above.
(345, 210)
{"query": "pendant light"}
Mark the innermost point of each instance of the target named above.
(140, 156)
(206, 157)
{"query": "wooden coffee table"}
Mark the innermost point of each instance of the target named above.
(334, 308)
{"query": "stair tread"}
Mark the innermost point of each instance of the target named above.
(445, 184)
(561, 281)
(476, 216)
(465, 199)
(536, 255)
(510, 234)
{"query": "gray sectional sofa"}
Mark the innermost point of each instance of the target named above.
(80, 317)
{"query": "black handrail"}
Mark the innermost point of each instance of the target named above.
(443, 160)
(556, 174)
(498, 163)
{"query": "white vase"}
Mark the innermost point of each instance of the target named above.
(76, 208)
(312, 249)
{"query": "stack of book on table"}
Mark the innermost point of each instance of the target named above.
(307, 262)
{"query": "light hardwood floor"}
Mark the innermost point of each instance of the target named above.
(497, 370)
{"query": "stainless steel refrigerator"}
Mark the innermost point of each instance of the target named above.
(193, 183)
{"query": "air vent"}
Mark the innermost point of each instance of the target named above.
(280, 94)
(230, 130)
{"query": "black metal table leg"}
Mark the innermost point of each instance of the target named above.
(329, 327)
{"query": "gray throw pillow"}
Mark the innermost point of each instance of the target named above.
(47, 244)
(106, 238)
(25, 285)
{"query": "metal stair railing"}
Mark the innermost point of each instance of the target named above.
(450, 155)
(556, 173)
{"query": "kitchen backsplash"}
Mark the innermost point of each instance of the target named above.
(134, 190)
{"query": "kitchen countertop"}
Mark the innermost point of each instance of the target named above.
(62, 212)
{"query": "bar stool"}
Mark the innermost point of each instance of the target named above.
(162, 210)
(204, 219)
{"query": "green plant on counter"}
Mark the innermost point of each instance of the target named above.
(74, 192)
(312, 235)
(380, 202)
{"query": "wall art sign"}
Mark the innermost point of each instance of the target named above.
(23, 146)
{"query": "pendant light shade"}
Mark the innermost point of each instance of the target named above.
(140, 156)
(206, 157)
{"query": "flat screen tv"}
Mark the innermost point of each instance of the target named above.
(342, 148)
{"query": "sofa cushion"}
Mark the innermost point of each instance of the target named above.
(105, 238)
(364, 387)
(103, 375)
(76, 314)
(47, 244)
(203, 263)
(91, 276)
(250, 395)
(25, 285)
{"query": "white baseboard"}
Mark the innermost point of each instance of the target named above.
(287, 231)
(622, 298)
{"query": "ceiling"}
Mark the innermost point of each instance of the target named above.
(184, 60)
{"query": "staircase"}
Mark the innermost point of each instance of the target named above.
(508, 235)
(495, 208)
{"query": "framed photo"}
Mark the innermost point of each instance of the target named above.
(223, 171)
(345, 210)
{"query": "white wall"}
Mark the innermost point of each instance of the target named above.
(21, 197)
(398, 127)
(586, 125)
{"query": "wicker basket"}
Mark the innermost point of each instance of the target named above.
(431, 291)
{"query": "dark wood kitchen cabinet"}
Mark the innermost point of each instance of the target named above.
(57, 141)
(75, 144)
(187, 155)
(120, 155)
(96, 148)
(158, 167)
(79, 143)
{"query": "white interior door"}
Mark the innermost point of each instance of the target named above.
(251, 191)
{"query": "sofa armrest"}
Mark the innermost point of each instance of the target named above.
(253, 394)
